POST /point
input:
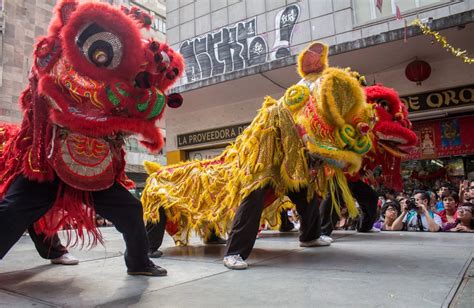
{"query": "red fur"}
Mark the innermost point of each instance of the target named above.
(112, 126)
(139, 16)
(114, 21)
(392, 123)
(62, 13)
(58, 68)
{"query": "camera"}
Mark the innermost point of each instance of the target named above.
(411, 204)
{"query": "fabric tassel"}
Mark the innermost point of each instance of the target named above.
(73, 211)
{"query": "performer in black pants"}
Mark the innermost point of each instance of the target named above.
(247, 219)
(27, 201)
(366, 198)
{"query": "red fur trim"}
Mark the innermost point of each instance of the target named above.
(391, 123)
(111, 126)
(114, 21)
(177, 63)
(74, 212)
(47, 50)
(142, 18)
(122, 177)
(62, 13)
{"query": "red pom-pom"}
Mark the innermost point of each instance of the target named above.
(175, 100)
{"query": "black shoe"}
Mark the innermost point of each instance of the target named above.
(215, 241)
(155, 254)
(288, 228)
(150, 270)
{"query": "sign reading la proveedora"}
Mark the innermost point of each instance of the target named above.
(211, 135)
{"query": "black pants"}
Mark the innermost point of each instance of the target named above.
(367, 199)
(247, 220)
(26, 201)
(286, 224)
(156, 231)
(48, 248)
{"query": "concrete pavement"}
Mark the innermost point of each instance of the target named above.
(388, 269)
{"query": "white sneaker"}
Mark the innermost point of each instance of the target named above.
(65, 259)
(315, 243)
(326, 238)
(235, 262)
(374, 229)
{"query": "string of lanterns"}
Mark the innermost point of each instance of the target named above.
(443, 41)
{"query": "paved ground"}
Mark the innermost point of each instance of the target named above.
(390, 269)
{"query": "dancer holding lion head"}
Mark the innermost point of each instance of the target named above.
(94, 82)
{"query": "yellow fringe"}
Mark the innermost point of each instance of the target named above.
(203, 196)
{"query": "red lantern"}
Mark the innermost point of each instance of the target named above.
(418, 71)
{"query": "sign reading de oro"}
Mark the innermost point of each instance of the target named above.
(440, 99)
(211, 135)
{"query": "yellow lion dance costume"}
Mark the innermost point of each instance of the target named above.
(306, 139)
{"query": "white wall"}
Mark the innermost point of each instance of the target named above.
(444, 74)
(178, 122)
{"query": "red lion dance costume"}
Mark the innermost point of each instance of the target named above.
(392, 137)
(94, 81)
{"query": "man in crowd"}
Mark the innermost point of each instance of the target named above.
(470, 192)
(417, 215)
(443, 191)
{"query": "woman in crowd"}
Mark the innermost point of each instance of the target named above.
(390, 211)
(449, 213)
(433, 201)
(465, 221)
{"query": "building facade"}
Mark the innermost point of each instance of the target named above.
(239, 51)
(20, 23)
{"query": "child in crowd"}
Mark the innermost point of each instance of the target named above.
(390, 212)
(465, 220)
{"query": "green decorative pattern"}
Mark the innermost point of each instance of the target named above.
(144, 106)
(159, 104)
(121, 91)
(296, 94)
(112, 97)
(355, 142)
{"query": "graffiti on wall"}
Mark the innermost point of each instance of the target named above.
(239, 46)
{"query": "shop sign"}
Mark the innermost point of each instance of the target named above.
(212, 135)
(439, 99)
(204, 154)
(443, 138)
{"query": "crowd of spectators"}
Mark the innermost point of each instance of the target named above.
(446, 209)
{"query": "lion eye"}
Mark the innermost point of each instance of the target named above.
(384, 104)
(101, 48)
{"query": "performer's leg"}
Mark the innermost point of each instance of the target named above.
(329, 216)
(214, 239)
(245, 225)
(47, 248)
(155, 233)
(310, 222)
(119, 206)
(286, 224)
(51, 248)
(367, 199)
(23, 204)
(326, 215)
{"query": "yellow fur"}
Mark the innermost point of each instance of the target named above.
(272, 152)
